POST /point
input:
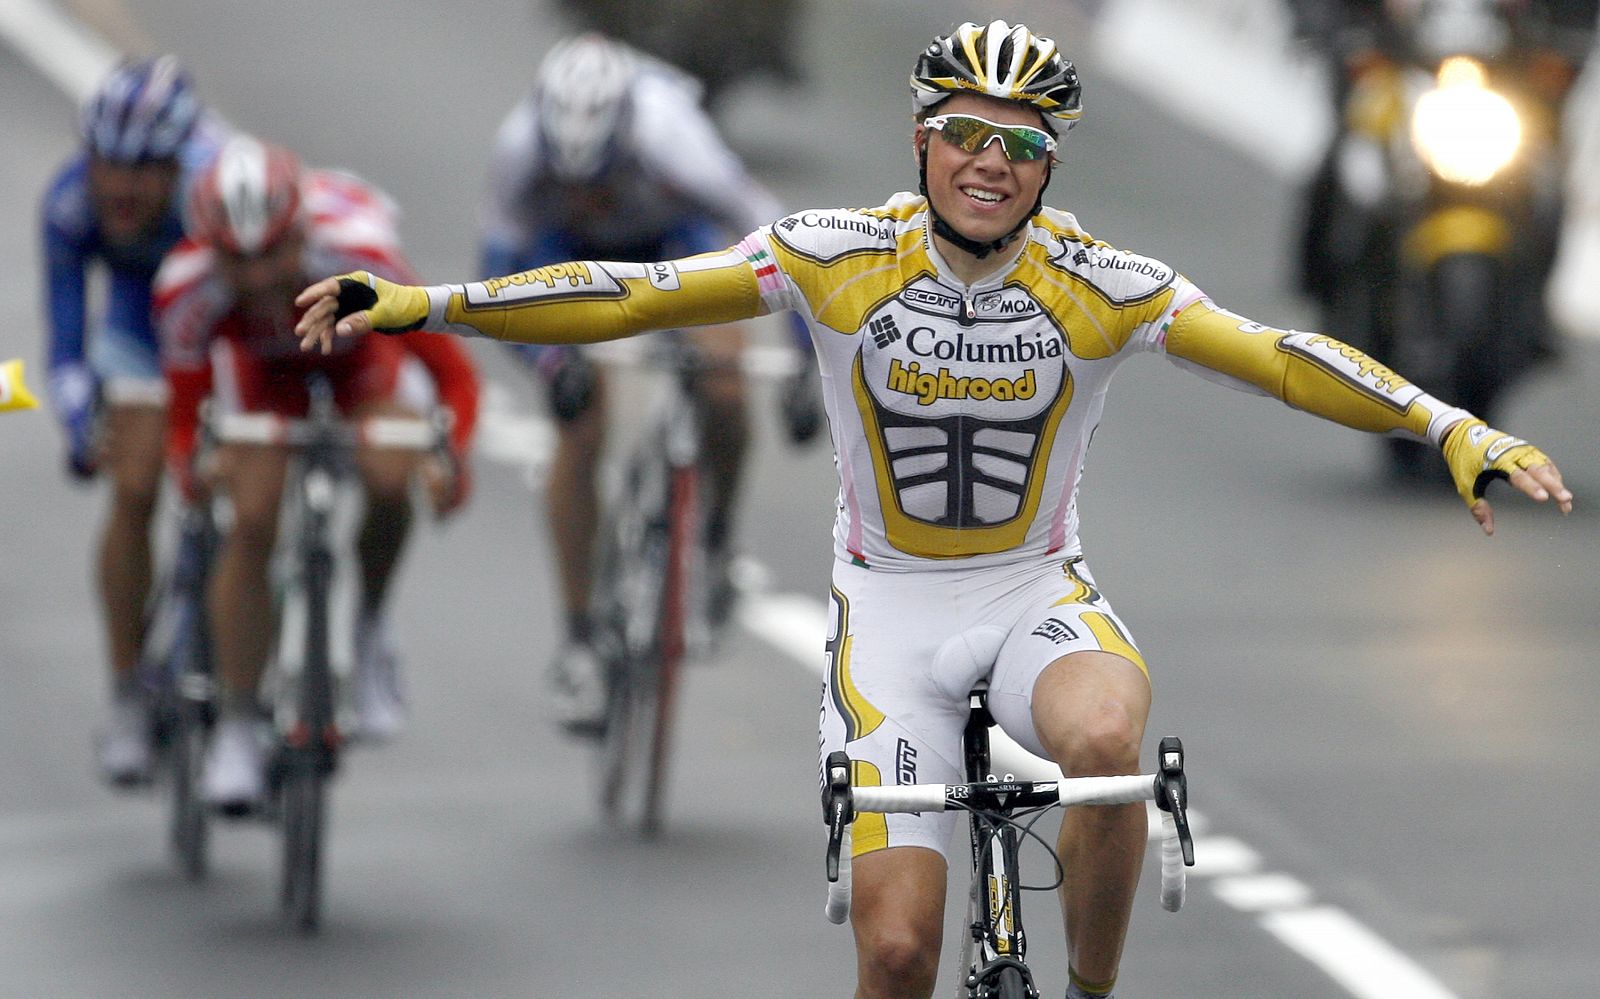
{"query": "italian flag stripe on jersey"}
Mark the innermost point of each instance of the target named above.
(767, 279)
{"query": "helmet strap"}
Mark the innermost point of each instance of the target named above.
(946, 231)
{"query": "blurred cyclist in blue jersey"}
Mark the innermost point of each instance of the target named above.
(612, 157)
(115, 204)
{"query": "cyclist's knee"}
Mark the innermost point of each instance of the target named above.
(1090, 728)
(133, 497)
(897, 960)
(1103, 739)
(898, 920)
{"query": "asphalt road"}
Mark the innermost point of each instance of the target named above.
(1378, 702)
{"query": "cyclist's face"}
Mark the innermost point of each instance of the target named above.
(130, 198)
(273, 275)
(982, 195)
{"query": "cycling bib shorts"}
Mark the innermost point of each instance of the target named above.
(906, 648)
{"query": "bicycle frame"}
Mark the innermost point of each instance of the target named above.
(993, 951)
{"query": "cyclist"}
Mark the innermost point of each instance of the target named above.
(611, 157)
(259, 222)
(115, 204)
(966, 337)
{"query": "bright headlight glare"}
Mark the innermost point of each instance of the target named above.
(1465, 131)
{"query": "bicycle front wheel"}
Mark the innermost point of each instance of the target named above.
(644, 676)
(190, 829)
(304, 801)
(1010, 984)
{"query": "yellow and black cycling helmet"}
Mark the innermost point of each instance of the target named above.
(999, 60)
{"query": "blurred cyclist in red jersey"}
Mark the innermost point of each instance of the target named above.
(258, 224)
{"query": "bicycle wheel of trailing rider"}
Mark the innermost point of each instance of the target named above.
(646, 577)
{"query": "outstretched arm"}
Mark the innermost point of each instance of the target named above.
(575, 302)
(1333, 380)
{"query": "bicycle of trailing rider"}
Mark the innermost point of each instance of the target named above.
(308, 674)
(176, 671)
(649, 593)
(1001, 811)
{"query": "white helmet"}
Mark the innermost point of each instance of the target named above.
(582, 91)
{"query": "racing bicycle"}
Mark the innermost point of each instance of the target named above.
(310, 665)
(649, 593)
(1001, 812)
(176, 675)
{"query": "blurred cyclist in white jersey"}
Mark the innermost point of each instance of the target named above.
(612, 157)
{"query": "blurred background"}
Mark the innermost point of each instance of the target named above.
(1387, 714)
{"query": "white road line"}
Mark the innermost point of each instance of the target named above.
(70, 55)
(1352, 955)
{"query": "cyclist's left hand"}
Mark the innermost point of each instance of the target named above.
(357, 303)
(449, 483)
(1478, 455)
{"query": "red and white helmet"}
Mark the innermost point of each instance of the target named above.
(248, 198)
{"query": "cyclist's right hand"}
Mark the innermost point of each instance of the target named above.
(356, 303)
(73, 391)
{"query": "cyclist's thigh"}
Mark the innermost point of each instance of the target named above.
(252, 477)
(128, 365)
(1063, 613)
(367, 383)
(880, 703)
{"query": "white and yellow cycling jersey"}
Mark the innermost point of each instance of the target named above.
(961, 414)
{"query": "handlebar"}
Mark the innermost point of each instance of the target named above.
(1168, 788)
(400, 433)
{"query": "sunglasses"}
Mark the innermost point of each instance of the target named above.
(972, 134)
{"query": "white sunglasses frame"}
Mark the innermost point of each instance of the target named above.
(936, 123)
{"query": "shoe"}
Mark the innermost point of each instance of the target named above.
(578, 690)
(233, 779)
(379, 701)
(122, 745)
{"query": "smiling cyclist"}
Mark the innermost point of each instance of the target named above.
(966, 338)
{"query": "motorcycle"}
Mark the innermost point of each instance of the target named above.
(1446, 200)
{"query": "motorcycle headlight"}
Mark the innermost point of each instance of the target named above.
(1463, 129)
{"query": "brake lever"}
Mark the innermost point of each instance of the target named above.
(1172, 793)
(837, 811)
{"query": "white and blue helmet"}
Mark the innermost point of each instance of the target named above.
(143, 111)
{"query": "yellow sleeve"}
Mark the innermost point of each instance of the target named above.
(1309, 371)
(589, 301)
